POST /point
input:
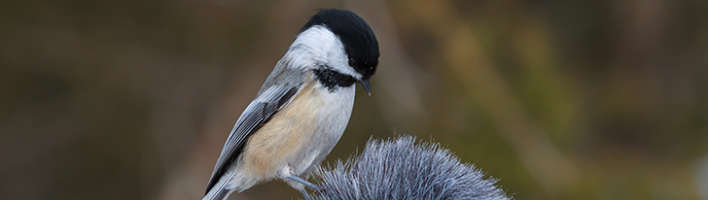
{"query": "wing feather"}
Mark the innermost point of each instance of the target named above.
(268, 102)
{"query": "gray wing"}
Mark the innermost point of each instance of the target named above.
(274, 95)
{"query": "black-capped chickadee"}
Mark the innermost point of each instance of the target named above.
(302, 109)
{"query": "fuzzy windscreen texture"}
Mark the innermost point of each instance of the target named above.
(401, 169)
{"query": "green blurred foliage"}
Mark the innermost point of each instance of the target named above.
(557, 99)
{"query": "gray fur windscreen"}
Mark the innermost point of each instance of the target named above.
(401, 169)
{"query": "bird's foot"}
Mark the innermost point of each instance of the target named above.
(302, 181)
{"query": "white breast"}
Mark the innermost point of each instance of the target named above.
(333, 118)
(300, 135)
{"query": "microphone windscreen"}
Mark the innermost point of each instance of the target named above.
(401, 168)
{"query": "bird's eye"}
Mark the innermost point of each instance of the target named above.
(352, 62)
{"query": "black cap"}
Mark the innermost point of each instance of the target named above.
(359, 40)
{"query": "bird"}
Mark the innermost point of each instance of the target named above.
(302, 109)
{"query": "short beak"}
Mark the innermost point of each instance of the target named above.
(366, 85)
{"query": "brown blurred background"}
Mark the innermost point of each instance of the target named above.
(131, 99)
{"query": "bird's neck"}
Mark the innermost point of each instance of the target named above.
(332, 79)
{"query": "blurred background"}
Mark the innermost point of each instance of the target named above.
(586, 99)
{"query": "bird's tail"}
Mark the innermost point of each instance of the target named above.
(217, 194)
(220, 191)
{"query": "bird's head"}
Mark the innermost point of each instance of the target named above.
(340, 41)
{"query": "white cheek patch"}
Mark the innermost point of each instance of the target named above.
(319, 46)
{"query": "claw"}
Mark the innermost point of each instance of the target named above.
(303, 182)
